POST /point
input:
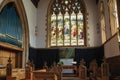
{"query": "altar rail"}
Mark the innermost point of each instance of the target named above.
(44, 75)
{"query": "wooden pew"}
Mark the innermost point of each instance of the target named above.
(57, 70)
(14, 74)
(82, 71)
(10, 78)
(44, 76)
(28, 70)
(104, 70)
(2, 73)
(54, 73)
(18, 73)
(93, 67)
(8, 73)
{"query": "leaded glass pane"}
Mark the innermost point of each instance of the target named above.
(80, 29)
(66, 29)
(73, 29)
(53, 30)
(60, 30)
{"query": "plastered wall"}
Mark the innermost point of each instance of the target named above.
(31, 12)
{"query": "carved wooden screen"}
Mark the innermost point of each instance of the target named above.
(67, 23)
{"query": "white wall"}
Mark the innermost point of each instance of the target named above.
(93, 20)
(92, 23)
(42, 21)
(31, 12)
(1, 1)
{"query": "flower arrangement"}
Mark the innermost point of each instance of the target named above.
(60, 63)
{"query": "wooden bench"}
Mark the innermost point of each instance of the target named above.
(44, 76)
(18, 73)
(10, 78)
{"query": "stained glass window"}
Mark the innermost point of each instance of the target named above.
(67, 23)
(114, 17)
(102, 22)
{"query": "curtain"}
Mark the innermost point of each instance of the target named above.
(10, 25)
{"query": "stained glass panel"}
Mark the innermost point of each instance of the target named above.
(60, 30)
(67, 25)
(53, 30)
(73, 29)
(80, 29)
(66, 29)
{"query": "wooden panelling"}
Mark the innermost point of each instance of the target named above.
(114, 64)
(16, 57)
(4, 56)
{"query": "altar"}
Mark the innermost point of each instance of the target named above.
(70, 67)
(73, 67)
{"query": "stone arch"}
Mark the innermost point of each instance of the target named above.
(25, 34)
(84, 10)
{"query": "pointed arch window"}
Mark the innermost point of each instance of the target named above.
(114, 17)
(67, 23)
(102, 22)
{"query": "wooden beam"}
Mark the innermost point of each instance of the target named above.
(10, 46)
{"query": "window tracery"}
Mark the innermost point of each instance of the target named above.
(67, 23)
